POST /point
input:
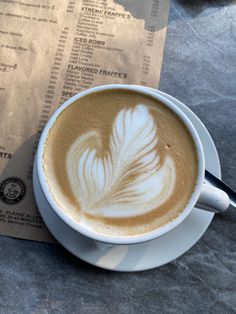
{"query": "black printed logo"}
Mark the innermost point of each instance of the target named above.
(12, 190)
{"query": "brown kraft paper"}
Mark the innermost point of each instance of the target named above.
(49, 51)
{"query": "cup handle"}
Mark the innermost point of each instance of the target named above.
(213, 199)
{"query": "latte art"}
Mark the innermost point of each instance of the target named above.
(120, 163)
(127, 180)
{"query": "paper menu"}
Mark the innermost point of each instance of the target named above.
(49, 51)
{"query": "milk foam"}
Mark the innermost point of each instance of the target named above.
(128, 179)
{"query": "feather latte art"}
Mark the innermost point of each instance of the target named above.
(127, 180)
(120, 162)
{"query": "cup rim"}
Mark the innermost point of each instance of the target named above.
(115, 239)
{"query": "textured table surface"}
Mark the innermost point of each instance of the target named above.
(199, 69)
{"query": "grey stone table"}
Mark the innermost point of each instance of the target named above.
(199, 69)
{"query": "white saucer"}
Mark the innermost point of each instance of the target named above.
(147, 255)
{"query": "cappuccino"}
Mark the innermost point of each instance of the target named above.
(120, 162)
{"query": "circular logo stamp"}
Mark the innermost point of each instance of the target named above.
(12, 190)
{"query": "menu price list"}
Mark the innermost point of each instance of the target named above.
(49, 52)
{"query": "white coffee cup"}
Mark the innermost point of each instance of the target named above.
(205, 196)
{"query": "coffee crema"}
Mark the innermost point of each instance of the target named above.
(120, 162)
